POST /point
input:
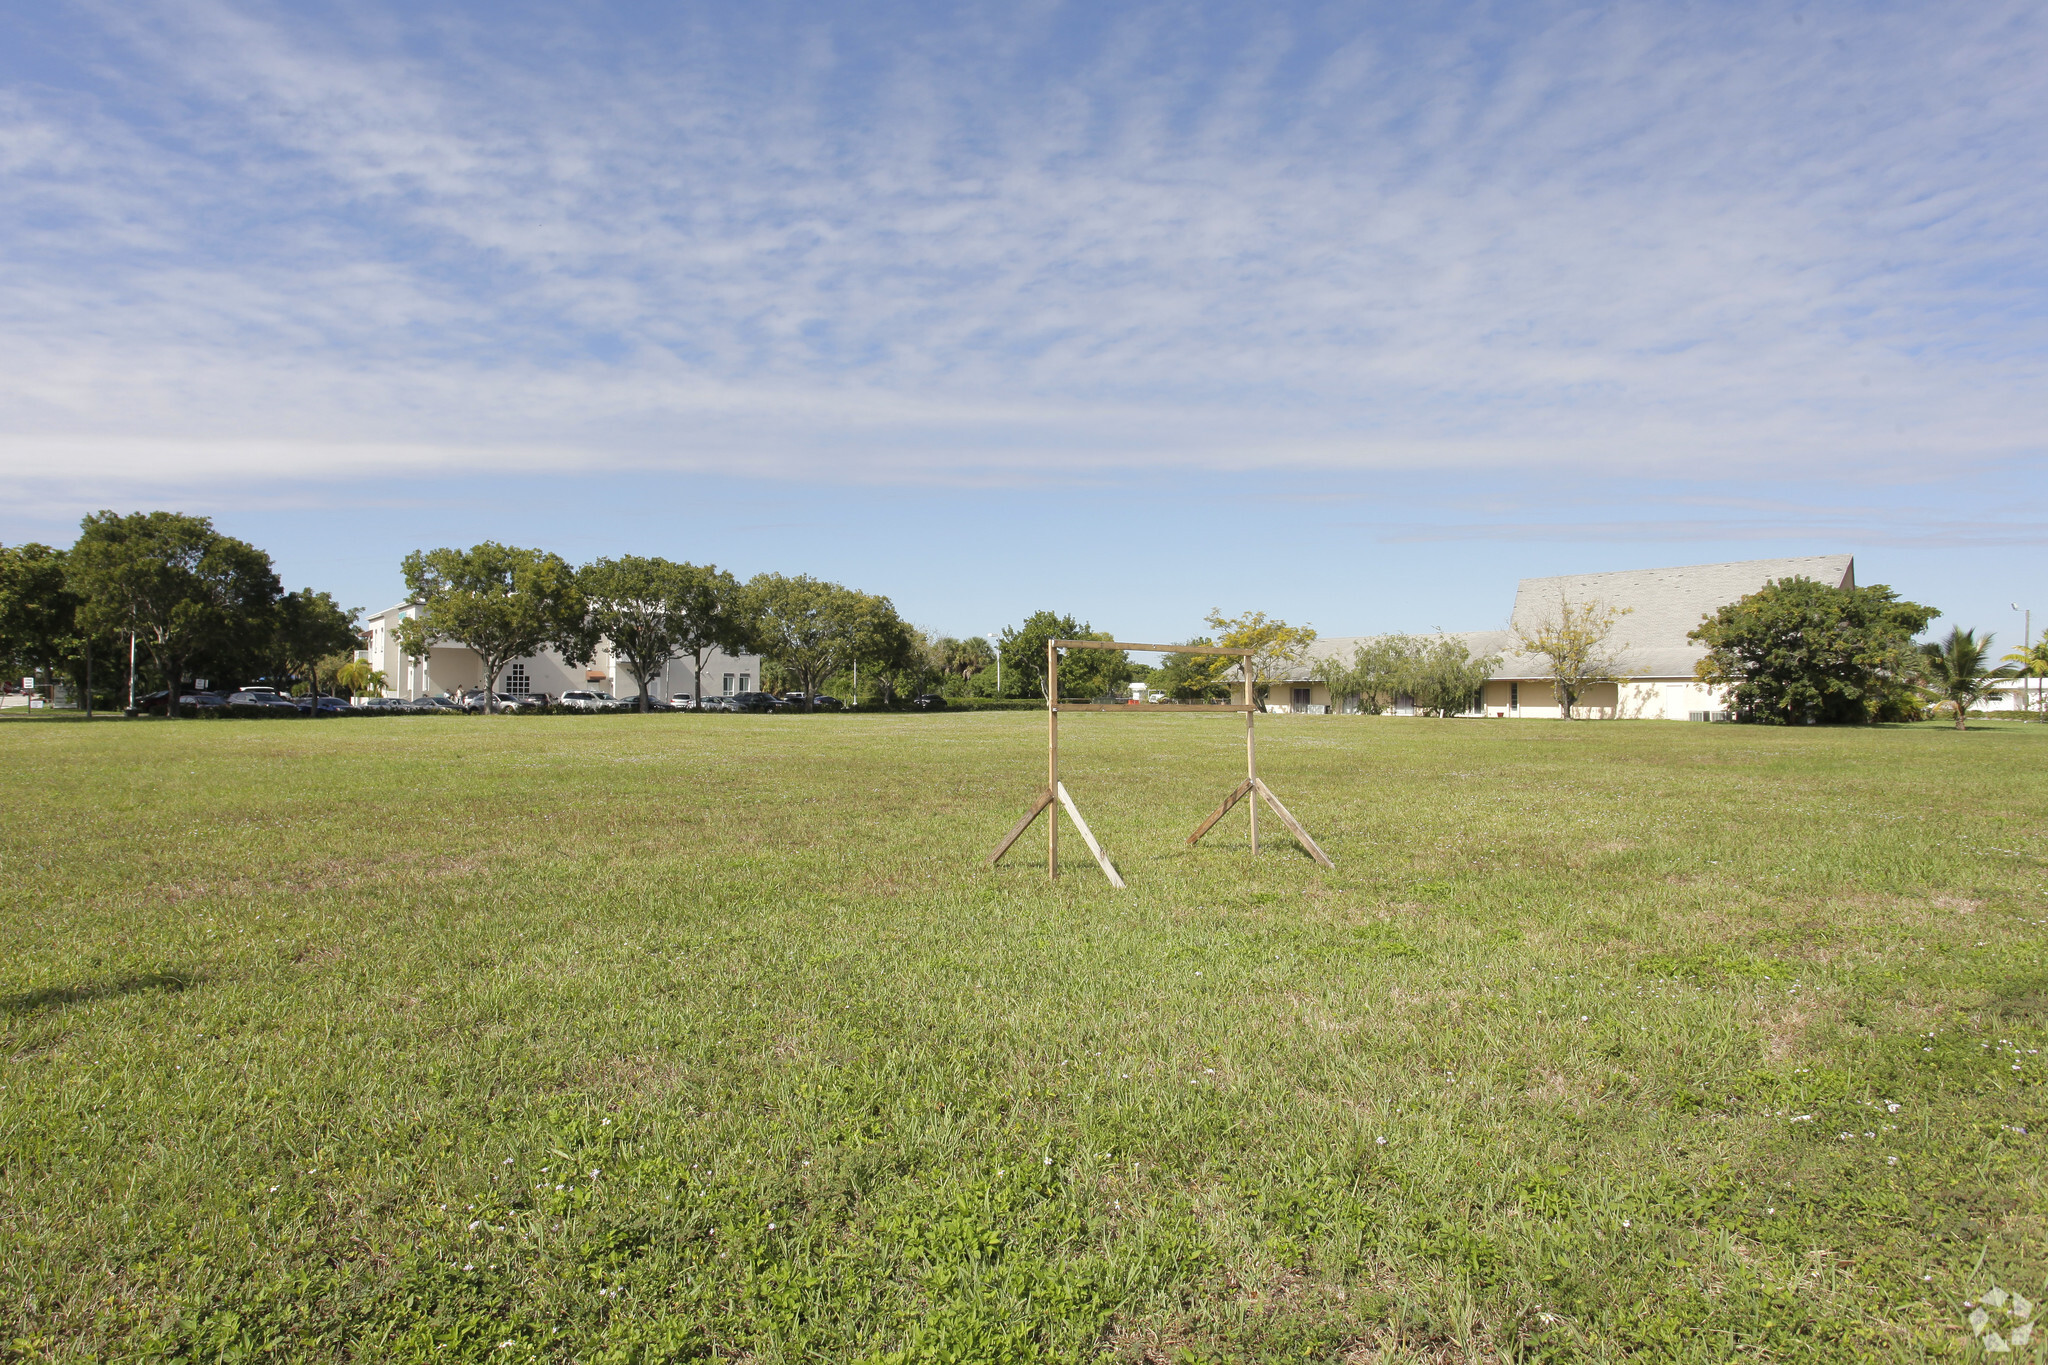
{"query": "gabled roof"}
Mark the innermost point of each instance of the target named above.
(1663, 606)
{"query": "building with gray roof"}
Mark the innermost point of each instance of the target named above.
(1654, 657)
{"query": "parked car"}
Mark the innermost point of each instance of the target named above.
(821, 702)
(686, 702)
(585, 701)
(334, 706)
(381, 704)
(202, 699)
(929, 701)
(754, 701)
(260, 696)
(434, 706)
(716, 704)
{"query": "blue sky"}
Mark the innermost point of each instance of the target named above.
(1350, 313)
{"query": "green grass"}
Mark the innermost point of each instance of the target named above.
(657, 1038)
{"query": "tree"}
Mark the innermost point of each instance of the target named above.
(895, 653)
(1576, 641)
(175, 583)
(965, 658)
(811, 629)
(38, 610)
(1194, 677)
(1798, 651)
(309, 629)
(1956, 674)
(498, 601)
(1023, 649)
(1275, 646)
(2030, 662)
(1378, 672)
(1443, 676)
(652, 610)
(358, 677)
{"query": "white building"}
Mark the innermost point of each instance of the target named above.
(1655, 659)
(451, 669)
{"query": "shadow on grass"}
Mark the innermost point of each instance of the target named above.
(54, 997)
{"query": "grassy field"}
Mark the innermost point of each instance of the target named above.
(657, 1038)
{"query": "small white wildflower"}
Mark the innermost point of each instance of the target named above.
(507, 1161)
(1381, 1141)
(273, 1189)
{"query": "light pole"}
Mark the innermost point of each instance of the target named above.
(999, 664)
(2027, 649)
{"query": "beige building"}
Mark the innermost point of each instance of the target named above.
(451, 669)
(1655, 658)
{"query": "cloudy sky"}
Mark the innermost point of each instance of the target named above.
(1127, 310)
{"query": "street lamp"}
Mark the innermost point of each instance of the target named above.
(2026, 651)
(999, 664)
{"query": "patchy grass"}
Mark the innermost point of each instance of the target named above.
(667, 1037)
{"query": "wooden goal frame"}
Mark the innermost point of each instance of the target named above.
(1054, 792)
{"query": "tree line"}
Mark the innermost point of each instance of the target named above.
(175, 594)
(185, 600)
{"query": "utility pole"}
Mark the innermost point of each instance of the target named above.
(999, 664)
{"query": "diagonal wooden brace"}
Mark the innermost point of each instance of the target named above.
(1088, 838)
(1237, 794)
(1293, 825)
(1038, 803)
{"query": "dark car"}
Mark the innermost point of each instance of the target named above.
(754, 701)
(825, 703)
(929, 701)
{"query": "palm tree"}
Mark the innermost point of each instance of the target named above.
(2031, 662)
(1954, 673)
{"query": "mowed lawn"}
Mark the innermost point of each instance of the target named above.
(658, 1038)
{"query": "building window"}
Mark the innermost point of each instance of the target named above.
(517, 684)
(728, 684)
(1514, 696)
(743, 682)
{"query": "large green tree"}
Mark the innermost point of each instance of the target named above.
(1958, 673)
(180, 587)
(654, 610)
(1797, 651)
(500, 602)
(1084, 673)
(311, 634)
(1194, 677)
(38, 611)
(810, 629)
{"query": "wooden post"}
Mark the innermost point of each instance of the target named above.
(1251, 751)
(1052, 759)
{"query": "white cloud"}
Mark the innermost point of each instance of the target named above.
(1638, 242)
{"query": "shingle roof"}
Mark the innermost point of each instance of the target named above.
(1664, 605)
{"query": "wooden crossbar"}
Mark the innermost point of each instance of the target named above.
(1159, 708)
(1149, 649)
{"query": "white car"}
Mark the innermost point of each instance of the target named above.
(587, 701)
